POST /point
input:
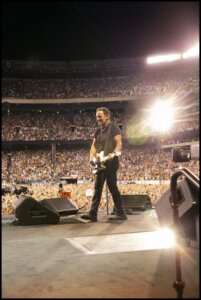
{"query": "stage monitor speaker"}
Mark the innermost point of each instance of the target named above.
(187, 210)
(31, 212)
(63, 206)
(136, 202)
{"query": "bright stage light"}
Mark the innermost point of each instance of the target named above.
(191, 52)
(161, 116)
(166, 237)
(163, 58)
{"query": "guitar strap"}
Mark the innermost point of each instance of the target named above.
(107, 141)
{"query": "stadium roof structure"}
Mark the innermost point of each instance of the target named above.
(72, 66)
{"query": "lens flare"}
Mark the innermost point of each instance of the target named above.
(137, 130)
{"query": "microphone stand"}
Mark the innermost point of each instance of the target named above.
(107, 200)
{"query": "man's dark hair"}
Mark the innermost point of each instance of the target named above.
(105, 111)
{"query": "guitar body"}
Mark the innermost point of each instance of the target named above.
(99, 164)
(101, 160)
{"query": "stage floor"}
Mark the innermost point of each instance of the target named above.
(126, 259)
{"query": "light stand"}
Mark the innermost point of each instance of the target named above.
(179, 284)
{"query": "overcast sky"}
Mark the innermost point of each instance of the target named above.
(61, 30)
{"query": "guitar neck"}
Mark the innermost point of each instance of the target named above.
(111, 155)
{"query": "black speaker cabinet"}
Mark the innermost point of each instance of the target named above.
(136, 202)
(31, 212)
(62, 206)
(68, 180)
(188, 209)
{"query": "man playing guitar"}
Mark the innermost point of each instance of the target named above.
(107, 140)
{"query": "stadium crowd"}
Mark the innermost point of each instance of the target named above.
(142, 169)
(139, 167)
(142, 83)
(139, 164)
(80, 125)
(136, 164)
(81, 194)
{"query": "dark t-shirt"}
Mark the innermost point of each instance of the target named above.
(101, 135)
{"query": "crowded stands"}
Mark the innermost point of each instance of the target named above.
(142, 169)
(101, 87)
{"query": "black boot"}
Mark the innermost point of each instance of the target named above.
(113, 212)
(89, 217)
(118, 218)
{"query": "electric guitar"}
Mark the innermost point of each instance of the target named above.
(101, 159)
